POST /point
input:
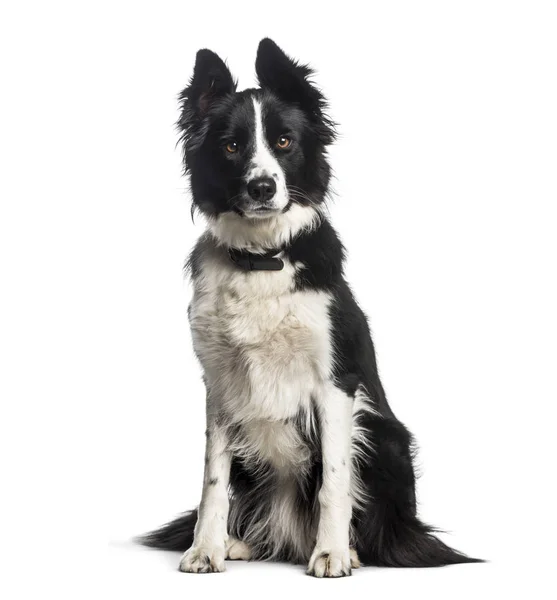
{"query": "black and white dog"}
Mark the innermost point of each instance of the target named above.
(305, 460)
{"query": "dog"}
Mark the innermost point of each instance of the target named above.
(305, 460)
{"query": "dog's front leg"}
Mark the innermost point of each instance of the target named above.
(208, 550)
(331, 556)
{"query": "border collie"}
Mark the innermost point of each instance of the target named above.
(305, 460)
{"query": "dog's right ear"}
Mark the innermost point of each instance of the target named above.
(211, 81)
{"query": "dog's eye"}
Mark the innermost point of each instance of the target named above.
(283, 142)
(232, 147)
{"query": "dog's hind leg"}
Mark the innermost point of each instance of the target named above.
(386, 530)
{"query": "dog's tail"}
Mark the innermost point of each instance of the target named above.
(176, 535)
(388, 538)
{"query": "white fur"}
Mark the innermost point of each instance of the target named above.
(265, 348)
(331, 556)
(208, 550)
(263, 163)
(237, 550)
(266, 352)
(354, 559)
(361, 445)
(237, 231)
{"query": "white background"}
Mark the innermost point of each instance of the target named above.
(446, 190)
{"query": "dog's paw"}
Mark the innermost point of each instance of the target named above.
(354, 559)
(203, 560)
(237, 550)
(330, 563)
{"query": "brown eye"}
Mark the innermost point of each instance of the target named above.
(232, 147)
(283, 142)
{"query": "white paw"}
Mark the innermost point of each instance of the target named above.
(237, 550)
(203, 560)
(330, 563)
(354, 559)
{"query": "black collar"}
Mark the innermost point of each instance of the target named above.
(256, 262)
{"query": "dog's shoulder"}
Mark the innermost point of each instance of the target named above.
(322, 255)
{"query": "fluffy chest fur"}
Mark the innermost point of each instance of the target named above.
(265, 349)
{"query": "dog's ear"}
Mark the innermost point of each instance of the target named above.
(211, 81)
(291, 81)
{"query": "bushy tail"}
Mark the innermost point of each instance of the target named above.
(389, 539)
(176, 535)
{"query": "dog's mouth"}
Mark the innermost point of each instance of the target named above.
(264, 209)
(260, 212)
(257, 209)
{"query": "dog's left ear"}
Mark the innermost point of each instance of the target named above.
(290, 81)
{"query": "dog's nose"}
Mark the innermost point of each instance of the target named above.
(262, 189)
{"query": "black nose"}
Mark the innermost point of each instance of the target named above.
(262, 189)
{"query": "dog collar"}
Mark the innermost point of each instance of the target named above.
(256, 262)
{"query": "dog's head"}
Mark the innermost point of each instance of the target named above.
(258, 153)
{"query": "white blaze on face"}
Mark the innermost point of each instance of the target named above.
(263, 163)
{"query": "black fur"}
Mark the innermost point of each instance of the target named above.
(214, 113)
(176, 535)
(387, 530)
